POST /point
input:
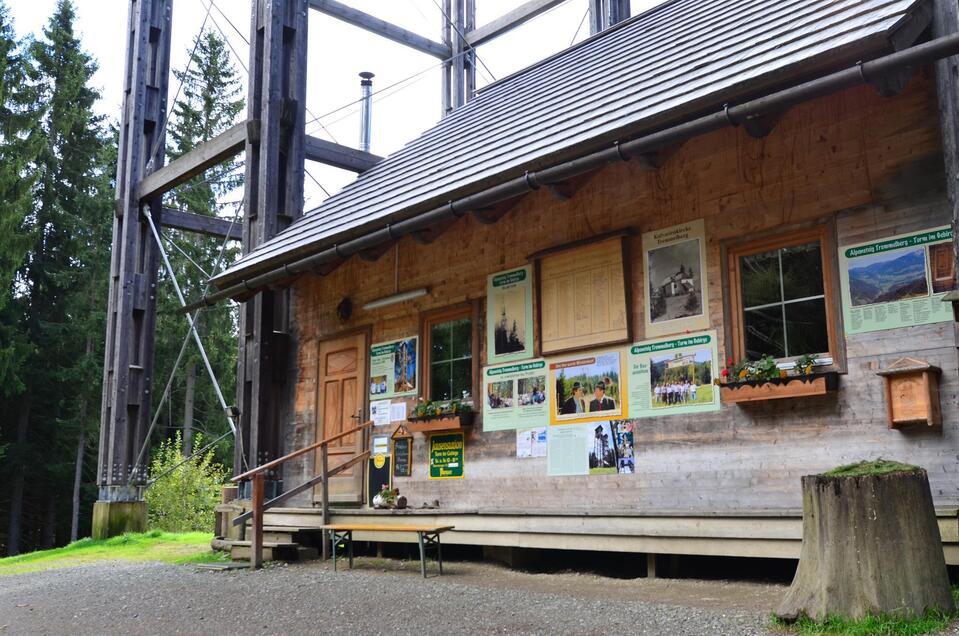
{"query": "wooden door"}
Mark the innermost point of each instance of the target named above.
(341, 401)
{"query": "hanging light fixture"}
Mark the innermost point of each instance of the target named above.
(396, 298)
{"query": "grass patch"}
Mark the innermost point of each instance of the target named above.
(166, 547)
(929, 623)
(876, 467)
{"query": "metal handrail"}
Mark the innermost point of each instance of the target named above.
(257, 477)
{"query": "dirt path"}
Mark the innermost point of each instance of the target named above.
(378, 597)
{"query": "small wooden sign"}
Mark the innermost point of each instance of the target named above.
(402, 457)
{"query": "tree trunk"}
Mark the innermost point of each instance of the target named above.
(16, 489)
(49, 537)
(77, 479)
(188, 404)
(81, 449)
(871, 545)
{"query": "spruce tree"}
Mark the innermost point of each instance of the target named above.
(61, 281)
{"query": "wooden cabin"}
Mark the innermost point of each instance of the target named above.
(815, 246)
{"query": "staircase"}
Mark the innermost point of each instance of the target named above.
(288, 534)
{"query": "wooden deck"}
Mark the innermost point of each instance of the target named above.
(763, 534)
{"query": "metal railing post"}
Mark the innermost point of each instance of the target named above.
(256, 545)
(324, 467)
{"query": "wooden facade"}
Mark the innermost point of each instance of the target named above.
(861, 166)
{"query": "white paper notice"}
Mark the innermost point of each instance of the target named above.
(380, 412)
(381, 445)
(568, 450)
(398, 412)
(538, 442)
(524, 444)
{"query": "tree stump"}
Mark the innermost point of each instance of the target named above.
(871, 545)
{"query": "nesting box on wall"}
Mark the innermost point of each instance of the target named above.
(912, 393)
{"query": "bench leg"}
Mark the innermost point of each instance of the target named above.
(422, 554)
(439, 554)
(333, 548)
(350, 547)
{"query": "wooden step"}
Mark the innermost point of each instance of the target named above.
(272, 550)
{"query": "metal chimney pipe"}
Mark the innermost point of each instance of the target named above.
(366, 122)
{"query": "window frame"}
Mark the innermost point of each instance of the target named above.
(825, 234)
(469, 309)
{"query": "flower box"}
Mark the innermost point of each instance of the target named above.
(446, 422)
(779, 388)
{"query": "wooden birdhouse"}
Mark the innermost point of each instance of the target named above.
(912, 393)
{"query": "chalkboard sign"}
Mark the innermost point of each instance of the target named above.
(402, 451)
(379, 475)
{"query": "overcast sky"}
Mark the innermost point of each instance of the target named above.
(337, 52)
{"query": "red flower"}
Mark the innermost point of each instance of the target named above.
(725, 373)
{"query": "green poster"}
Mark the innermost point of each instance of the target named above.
(898, 281)
(673, 375)
(515, 396)
(509, 315)
(446, 456)
(393, 369)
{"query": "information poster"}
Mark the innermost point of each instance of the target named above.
(897, 282)
(531, 443)
(669, 376)
(596, 448)
(516, 396)
(674, 266)
(446, 456)
(588, 387)
(568, 450)
(393, 369)
(509, 315)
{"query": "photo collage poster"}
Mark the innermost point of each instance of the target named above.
(669, 376)
(898, 281)
(596, 448)
(515, 396)
(394, 369)
(674, 279)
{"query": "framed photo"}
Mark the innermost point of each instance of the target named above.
(588, 388)
(674, 266)
(509, 315)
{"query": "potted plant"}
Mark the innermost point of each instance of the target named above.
(763, 379)
(440, 416)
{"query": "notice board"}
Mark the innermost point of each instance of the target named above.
(583, 296)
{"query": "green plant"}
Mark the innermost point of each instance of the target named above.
(805, 364)
(428, 408)
(183, 499)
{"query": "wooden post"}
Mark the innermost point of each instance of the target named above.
(131, 312)
(256, 545)
(650, 566)
(945, 21)
(273, 200)
(324, 468)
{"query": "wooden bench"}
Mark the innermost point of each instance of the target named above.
(428, 536)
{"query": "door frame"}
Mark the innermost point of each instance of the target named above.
(367, 332)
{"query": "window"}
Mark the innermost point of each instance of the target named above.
(450, 345)
(781, 296)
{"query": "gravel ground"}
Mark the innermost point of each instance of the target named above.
(149, 598)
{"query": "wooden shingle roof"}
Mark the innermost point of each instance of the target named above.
(680, 59)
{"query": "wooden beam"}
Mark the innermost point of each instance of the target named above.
(381, 27)
(182, 169)
(339, 156)
(523, 13)
(945, 21)
(202, 224)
